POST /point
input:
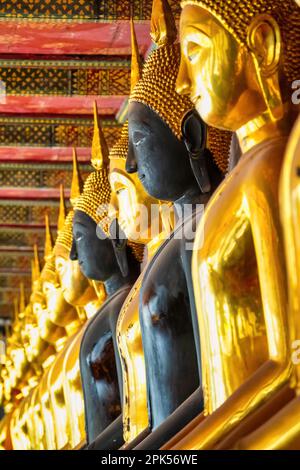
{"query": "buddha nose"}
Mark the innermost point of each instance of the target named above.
(183, 83)
(131, 163)
(73, 252)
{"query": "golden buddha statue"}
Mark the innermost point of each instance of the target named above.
(57, 402)
(238, 60)
(25, 372)
(59, 311)
(49, 331)
(22, 425)
(35, 415)
(38, 351)
(78, 290)
(80, 293)
(43, 400)
(49, 307)
(7, 386)
(281, 430)
(19, 430)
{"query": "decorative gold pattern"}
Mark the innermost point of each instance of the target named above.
(120, 149)
(57, 81)
(38, 175)
(15, 261)
(44, 8)
(83, 9)
(157, 88)
(55, 132)
(65, 237)
(28, 212)
(17, 238)
(219, 142)
(13, 281)
(101, 82)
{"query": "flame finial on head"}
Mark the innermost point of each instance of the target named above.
(100, 149)
(48, 239)
(16, 308)
(136, 62)
(77, 183)
(62, 210)
(36, 262)
(22, 298)
(163, 26)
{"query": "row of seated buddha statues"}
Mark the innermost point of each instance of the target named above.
(176, 330)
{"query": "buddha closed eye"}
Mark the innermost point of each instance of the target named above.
(138, 137)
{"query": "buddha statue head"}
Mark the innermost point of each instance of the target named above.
(15, 345)
(26, 334)
(138, 214)
(92, 247)
(58, 310)
(239, 60)
(76, 288)
(37, 350)
(162, 124)
(130, 204)
(37, 299)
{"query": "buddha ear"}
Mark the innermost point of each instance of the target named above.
(194, 132)
(265, 44)
(119, 242)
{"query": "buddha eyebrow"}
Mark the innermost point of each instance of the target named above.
(142, 125)
(81, 225)
(196, 30)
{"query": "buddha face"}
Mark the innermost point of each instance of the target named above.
(154, 153)
(130, 203)
(74, 285)
(57, 306)
(26, 333)
(217, 72)
(32, 341)
(95, 253)
(7, 384)
(18, 358)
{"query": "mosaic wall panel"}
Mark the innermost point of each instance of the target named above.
(15, 261)
(38, 176)
(83, 9)
(22, 238)
(81, 136)
(54, 132)
(8, 296)
(101, 82)
(63, 82)
(13, 281)
(6, 310)
(18, 213)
